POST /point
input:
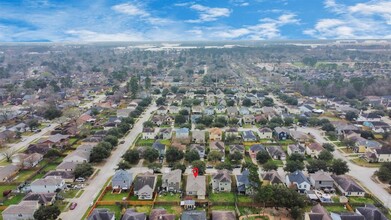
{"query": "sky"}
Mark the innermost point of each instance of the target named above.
(172, 20)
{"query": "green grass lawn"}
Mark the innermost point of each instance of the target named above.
(248, 210)
(286, 142)
(364, 163)
(336, 208)
(62, 205)
(6, 187)
(366, 200)
(346, 150)
(166, 142)
(169, 197)
(72, 140)
(339, 143)
(332, 138)
(279, 163)
(23, 175)
(49, 167)
(69, 194)
(114, 196)
(176, 210)
(222, 197)
(242, 198)
(14, 199)
(256, 218)
(142, 142)
(80, 193)
(223, 208)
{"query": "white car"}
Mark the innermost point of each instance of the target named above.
(80, 179)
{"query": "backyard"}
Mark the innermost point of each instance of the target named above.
(222, 197)
(109, 196)
(169, 197)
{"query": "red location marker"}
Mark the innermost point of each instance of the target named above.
(195, 172)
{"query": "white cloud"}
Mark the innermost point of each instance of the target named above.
(362, 20)
(130, 9)
(208, 14)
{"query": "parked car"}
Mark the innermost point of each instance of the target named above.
(80, 179)
(73, 206)
(121, 142)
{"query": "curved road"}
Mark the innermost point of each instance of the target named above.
(362, 174)
(106, 170)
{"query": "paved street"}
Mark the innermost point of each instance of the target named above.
(362, 174)
(107, 170)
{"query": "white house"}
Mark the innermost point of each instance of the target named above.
(49, 184)
(299, 180)
(78, 156)
(23, 211)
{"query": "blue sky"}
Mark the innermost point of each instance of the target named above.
(169, 20)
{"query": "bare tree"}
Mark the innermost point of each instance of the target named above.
(8, 154)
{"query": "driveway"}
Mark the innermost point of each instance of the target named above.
(362, 174)
(107, 170)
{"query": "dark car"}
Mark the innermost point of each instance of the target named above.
(73, 206)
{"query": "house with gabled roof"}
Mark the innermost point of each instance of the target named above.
(281, 133)
(265, 133)
(254, 149)
(296, 149)
(217, 146)
(193, 215)
(122, 179)
(144, 186)
(371, 212)
(318, 212)
(44, 199)
(198, 136)
(347, 186)
(272, 178)
(221, 181)
(131, 214)
(298, 180)
(8, 172)
(321, 180)
(101, 214)
(23, 211)
(243, 183)
(182, 133)
(49, 184)
(314, 149)
(276, 152)
(215, 134)
(148, 133)
(249, 136)
(236, 148)
(200, 148)
(196, 186)
(161, 214)
(78, 156)
(171, 181)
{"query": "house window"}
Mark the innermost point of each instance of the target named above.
(320, 182)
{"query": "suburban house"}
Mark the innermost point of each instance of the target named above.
(347, 186)
(221, 181)
(371, 212)
(226, 215)
(276, 152)
(101, 214)
(272, 178)
(66, 166)
(236, 148)
(299, 136)
(160, 214)
(131, 214)
(57, 140)
(122, 180)
(383, 154)
(368, 117)
(182, 133)
(49, 184)
(171, 181)
(8, 172)
(196, 186)
(217, 146)
(144, 186)
(44, 199)
(281, 133)
(165, 133)
(161, 148)
(200, 148)
(148, 133)
(215, 134)
(198, 137)
(318, 212)
(361, 145)
(296, 149)
(232, 132)
(298, 180)
(314, 149)
(232, 111)
(249, 136)
(123, 113)
(243, 184)
(321, 180)
(162, 110)
(248, 119)
(193, 215)
(67, 176)
(26, 160)
(23, 211)
(78, 156)
(265, 133)
(254, 149)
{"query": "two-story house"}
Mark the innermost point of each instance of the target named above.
(171, 181)
(49, 184)
(221, 181)
(122, 180)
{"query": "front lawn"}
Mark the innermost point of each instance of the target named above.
(286, 142)
(23, 175)
(364, 163)
(222, 197)
(169, 197)
(109, 196)
(62, 205)
(365, 200)
(14, 199)
(69, 194)
(5, 188)
(142, 142)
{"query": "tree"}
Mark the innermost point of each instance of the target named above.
(160, 101)
(155, 167)
(303, 120)
(174, 89)
(47, 213)
(236, 157)
(131, 156)
(288, 121)
(309, 61)
(84, 170)
(53, 153)
(33, 123)
(351, 116)
(52, 112)
(151, 154)
(263, 156)
(147, 82)
(339, 167)
(8, 154)
(247, 102)
(316, 165)
(133, 84)
(329, 147)
(270, 165)
(180, 119)
(113, 140)
(148, 124)
(296, 157)
(384, 172)
(106, 145)
(367, 135)
(292, 166)
(115, 132)
(230, 103)
(328, 127)
(191, 156)
(200, 165)
(123, 165)
(99, 153)
(325, 155)
(214, 156)
(173, 155)
(268, 102)
(224, 166)
(179, 166)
